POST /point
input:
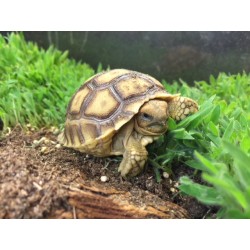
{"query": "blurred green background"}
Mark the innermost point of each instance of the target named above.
(164, 55)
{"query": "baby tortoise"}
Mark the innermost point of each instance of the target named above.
(119, 112)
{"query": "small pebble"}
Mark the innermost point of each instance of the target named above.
(37, 186)
(104, 178)
(46, 141)
(23, 193)
(165, 175)
(56, 132)
(149, 184)
(173, 190)
(170, 181)
(58, 145)
(29, 126)
(35, 143)
(43, 139)
(44, 149)
(176, 184)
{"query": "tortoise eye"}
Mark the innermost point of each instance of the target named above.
(146, 117)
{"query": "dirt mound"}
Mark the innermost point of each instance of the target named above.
(40, 179)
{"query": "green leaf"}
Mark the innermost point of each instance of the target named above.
(213, 128)
(231, 189)
(243, 121)
(215, 139)
(245, 144)
(156, 168)
(181, 134)
(242, 163)
(171, 124)
(196, 165)
(215, 114)
(206, 163)
(207, 195)
(229, 130)
(212, 80)
(237, 214)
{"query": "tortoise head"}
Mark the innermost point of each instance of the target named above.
(152, 118)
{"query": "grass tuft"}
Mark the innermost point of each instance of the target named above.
(214, 141)
(36, 84)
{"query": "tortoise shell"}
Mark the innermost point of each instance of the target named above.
(103, 104)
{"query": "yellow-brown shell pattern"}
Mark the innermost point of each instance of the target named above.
(105, 103)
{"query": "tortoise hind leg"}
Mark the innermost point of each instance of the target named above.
(134, 158)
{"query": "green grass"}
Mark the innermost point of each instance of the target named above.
(215, 141)
(36, 85)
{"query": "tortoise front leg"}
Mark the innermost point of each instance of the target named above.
(180, 107)
(134, 158)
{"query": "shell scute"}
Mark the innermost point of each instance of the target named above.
(102, 104)
(113, 75)
(131, 87)
(77, 101)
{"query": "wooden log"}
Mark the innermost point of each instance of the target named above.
(99, 202)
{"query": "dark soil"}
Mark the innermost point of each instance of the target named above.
(35, 176)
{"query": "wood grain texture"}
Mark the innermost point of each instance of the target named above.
(99, 203)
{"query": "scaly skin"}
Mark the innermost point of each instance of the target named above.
(134, 158)
(180, 107)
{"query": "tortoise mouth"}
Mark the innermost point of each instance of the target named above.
(157, 127)
(154, 128)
